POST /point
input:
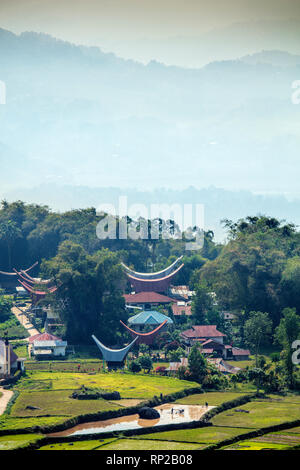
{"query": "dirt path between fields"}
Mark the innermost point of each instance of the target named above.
(21, 316)
(4, 399)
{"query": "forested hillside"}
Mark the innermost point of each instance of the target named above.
(258, 269)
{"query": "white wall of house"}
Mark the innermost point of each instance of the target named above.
(58, 348)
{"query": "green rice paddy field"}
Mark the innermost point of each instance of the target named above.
(48, 396)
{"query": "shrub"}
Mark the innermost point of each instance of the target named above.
(134, 366)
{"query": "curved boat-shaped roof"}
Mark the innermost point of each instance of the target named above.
(37, 292)
(150, 276)
(146, 338)
(15, 274)
(153, 285)
(113, 355)
(35, 280)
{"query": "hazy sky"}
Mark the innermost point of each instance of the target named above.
(89, 21)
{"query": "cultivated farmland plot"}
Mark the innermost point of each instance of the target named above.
(44, 399)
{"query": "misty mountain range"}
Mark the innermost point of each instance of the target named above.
(76, 116)
(224, 43)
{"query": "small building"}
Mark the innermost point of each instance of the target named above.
(148, 318)
(47, 345)
(181, 310)
(227, 315)
(240, 354)
(212, 343)
(9, 361)
(181, 292)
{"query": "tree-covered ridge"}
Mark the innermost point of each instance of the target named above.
(258, 268)
(30, 233)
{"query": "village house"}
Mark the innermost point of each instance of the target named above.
(212, 343)
(181, 310)
(9, 361)
(47, 345)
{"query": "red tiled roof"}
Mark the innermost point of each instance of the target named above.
(43, 337)
(147, 297)
(182, 310)
(203, 331)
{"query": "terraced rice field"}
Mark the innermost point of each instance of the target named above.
(205, 435)
(146, 444)
(57, 403)
(258, 414)
(129, 385)
(13, 442)
(212, 398)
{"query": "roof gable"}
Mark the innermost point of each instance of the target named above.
(43, 337)
(149, 317)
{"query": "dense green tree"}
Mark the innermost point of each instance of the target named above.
(249, 272)
(146, 362)
(197, 364)
(5, 306)
(202, 302)
(286, 333)
(9, 233)
(257, 331)
(89, 298)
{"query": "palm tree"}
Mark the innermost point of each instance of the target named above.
(9, 232)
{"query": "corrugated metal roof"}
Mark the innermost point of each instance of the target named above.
(43, 337)
(41, 344)
(149, 317)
